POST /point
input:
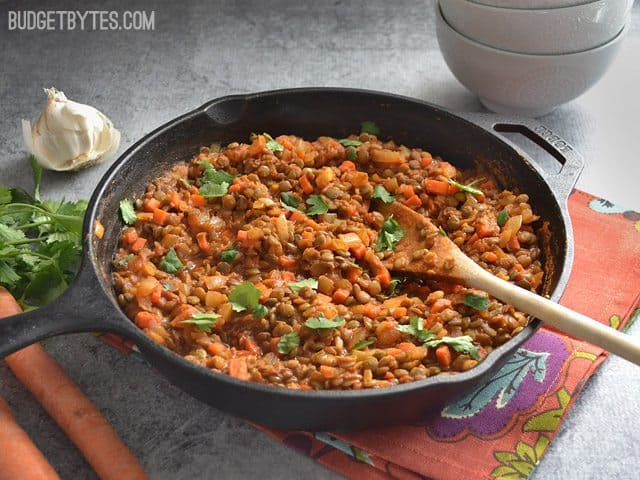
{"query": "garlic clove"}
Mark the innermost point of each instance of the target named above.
(69, 135)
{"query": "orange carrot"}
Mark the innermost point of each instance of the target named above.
(340, 295)
(407, 190)
(440, 305)
(147, 319)
(151, 204)
(238, 368)
(203, 241)
(443, 355)
(353, 273)
(438, 187)
(384, 277)
(138, 245)
(198, 200)
(130, 236)
(235, 188)
(19, 457)
(216, 348)
(98, 230)
(160, 216)
(328, 372)
(286, 261)
(306, 185)
(489, 257)
(426, 159)
(413, 201)
(72, 411)
(347, 166)
(358, 251)
(399, 312)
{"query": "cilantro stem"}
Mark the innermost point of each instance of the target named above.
(33, 224)
(25, 241)
(66, 220)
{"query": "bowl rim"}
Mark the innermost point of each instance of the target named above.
(534, 9)
(483, 46)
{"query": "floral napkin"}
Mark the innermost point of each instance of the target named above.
(502, 429)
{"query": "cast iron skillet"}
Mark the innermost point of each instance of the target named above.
(466, 140)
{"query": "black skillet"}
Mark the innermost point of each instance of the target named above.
(467, 140)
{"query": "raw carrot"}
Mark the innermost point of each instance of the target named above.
(72, 411)
(306, 185)
(443, 355)
(19, 457)
(151, 204)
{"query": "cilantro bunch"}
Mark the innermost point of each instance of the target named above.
(40, 243)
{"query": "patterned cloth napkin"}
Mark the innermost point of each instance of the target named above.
(502, 429)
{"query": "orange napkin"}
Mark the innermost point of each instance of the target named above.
(502, 429)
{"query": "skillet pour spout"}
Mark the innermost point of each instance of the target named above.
(471, 141)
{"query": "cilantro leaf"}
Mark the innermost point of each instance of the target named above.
(229, 255)
(503, 216)
(462, 344)
(323, 323)
(260, 311)
(272, 144)
(5, 195)
(288, 343)
(381, 193)
(214, 190)
(124, 260)
(204, 322)
(370, 128)
(171, 263)
(390, 234)
(364, 343)
(127, 211)
(289, 202)
(475, 301)
(8, 275)
(352, 153)
(416, 329)
(317, 206)
(469, 188)
(9, 235)
(167, 287)
(214, 183)
(244, 296)
(346, 142)
(393, 285)
(307, 282)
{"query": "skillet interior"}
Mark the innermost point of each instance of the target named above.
(310, 113)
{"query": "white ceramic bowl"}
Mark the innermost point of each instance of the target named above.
(515, 83)
(531, 4)
(543, 31)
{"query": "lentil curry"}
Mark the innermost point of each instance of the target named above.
(264, 261)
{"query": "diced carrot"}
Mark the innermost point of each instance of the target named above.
(489, 257)
(387, 157)
(243, 236)
(406, 346)
(426, 159)
(151, 204)
(288, 276)
(484, 229)
(322, 298)
(387, 334)
(203, 242)
(286, 261)
(160, 216)
(371, 310)
(144, 216)
(440, 305)
(156, 295)
(439, 187)
(384, 277)
(297, 217)
(399, 312)
(328, 372)
(130, 236)
(305, 184)
(251, 346)
(238, 368)
(98, 230)
(407, 191)
(413, 201)
(349, 210)
(138, 245)
(514, 244)
(147, 319)
(358, 251)
(389, 376)
(265, 293)
(174, 199)
(234, 188)
(347, 166)
(443, 355)
(353, 273)
(394, 302)
(473, 239)
(216, 348)
(285, 142)
(198, 200)
(257, 146)
(518, 267)
(340, 295)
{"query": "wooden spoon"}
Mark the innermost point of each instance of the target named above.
(447, 262)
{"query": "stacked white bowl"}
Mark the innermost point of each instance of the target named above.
(526, 57)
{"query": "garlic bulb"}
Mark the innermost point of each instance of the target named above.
(69, 135)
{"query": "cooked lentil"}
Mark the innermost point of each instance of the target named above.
(275, 246)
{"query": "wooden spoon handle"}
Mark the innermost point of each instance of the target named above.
(564, 319)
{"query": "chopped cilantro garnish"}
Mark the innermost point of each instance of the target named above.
(127, 211)
(503, 216)
(352, 153)
(416, 329)
(323, 323)
(475, 301)
(229, 255)
(370, 128)
(288, 343)
(364, 343)
(462, 344)
(381, 193)
(390, 234)
(441, 231)
(346, 142)
(289, 202)
(214, 183)
(260, 311)
(124, 260)
(273, 145)
(204, 322)
(171, 263)
(244, 296)
(469, 188)
(307, 282)
(317, 206)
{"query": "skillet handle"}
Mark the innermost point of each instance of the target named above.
(562, 182)
(83, 307)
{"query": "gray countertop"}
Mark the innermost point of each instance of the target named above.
(200, 50)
